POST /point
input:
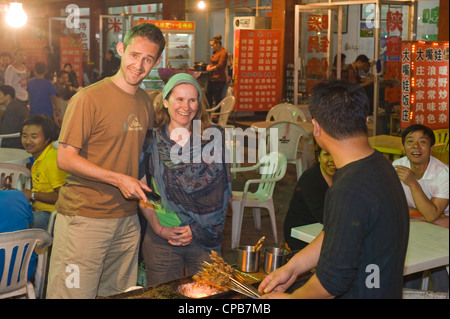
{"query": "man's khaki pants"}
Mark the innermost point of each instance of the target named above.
(93, 257)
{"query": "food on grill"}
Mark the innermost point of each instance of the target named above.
(216, 273)
(197, 290)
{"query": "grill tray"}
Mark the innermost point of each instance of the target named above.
(169, 290)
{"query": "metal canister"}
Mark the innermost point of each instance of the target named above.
(248, 260)
(274, 258)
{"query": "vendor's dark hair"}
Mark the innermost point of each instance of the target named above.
(340, 108)
(149, 31)
(49, 126)
(419, 127)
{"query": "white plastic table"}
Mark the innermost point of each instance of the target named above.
(14, 156)
(428, 245)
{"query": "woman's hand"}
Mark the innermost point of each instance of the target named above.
(177, 235)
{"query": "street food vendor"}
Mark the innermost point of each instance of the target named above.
(217, 66)
(361, 251)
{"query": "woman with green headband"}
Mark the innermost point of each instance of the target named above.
(189, 220)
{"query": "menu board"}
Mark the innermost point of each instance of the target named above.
(71, 51)
(425, 69)
(257, 69)
(34, 50)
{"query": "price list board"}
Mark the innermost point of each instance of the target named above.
(424, 85)
(71, 51)
(34, 50)
(257, 69)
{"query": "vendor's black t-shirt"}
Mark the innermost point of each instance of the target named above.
(366, 229)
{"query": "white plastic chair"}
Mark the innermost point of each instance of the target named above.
(51, 222)
(272, 168)
(20, 175)
(226, 106)
(286, 112)
(11, 135)
(289, 137)
(25, 241)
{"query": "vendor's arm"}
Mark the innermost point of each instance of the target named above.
(70, 161)
(282, 278)
(432, 208)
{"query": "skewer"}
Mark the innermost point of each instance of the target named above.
(246, 287)
(259, 244)
(239, 286)
(252, 288)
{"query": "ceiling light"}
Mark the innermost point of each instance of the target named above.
(15, 16)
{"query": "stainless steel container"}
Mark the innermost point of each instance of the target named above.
(247, 260)
(274, 258)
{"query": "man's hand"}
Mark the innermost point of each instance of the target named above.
(406, 175)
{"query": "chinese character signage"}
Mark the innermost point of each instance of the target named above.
(424, 85)
(316, 67)
(35, 52)
(257, 83)
(171, 24)
(71, 52)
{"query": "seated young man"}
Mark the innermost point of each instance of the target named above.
(424, 178)
(38, 134)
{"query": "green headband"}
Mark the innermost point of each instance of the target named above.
(181, 78)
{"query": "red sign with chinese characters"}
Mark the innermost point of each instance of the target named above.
(316, 67)
(171, 24)
(425, 70)
(35, 52)
(71, 51)
(257, 69)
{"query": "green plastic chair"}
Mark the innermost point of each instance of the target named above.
(272, 168)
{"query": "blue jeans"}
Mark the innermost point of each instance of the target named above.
(41, 219)
(164, 262)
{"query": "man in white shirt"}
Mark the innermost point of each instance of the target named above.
(425, 182)
(424, 178)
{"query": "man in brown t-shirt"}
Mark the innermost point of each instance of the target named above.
(97, 230)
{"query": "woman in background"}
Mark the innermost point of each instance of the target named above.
(218, 67)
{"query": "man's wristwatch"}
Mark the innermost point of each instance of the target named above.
(32, 198)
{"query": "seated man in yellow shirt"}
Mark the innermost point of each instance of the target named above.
(38, 134)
